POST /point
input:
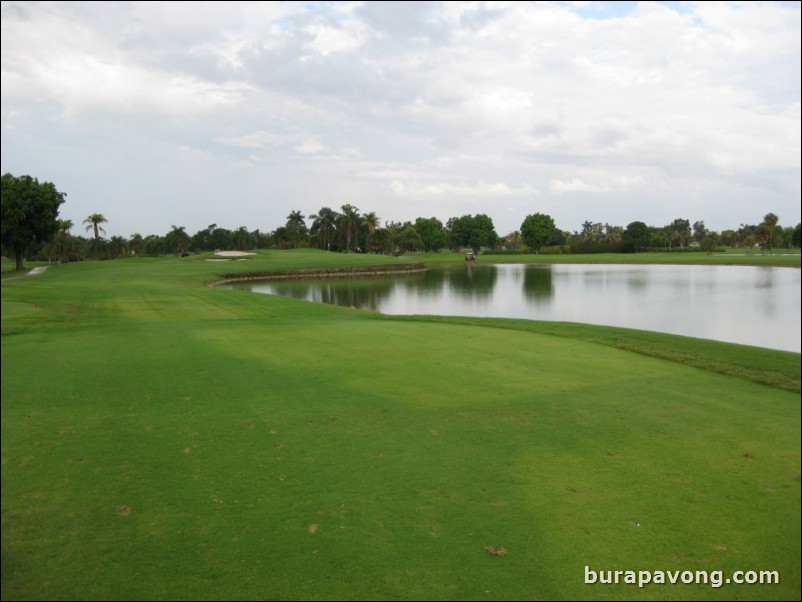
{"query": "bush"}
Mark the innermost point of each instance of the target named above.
(519, 251)
(551, 250)
(555, 250)
(596, 247)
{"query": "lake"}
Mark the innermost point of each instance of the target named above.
(749, 305)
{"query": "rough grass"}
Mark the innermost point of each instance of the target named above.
(163, 439)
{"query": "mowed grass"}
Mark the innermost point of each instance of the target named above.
(162, 439)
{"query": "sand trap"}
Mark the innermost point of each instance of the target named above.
(233, 253)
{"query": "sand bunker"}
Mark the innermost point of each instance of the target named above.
(233, 253)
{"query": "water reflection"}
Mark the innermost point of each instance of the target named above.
(750, 305)
(537, 284)
(364, 293)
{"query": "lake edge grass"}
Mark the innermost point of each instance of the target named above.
(771, 367)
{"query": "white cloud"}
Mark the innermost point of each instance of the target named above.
(346, 38)
(310, 147)
(491, 191)
(408, 107)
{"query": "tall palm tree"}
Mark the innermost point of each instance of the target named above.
(93, 223)
(62, 242)
(118, 247)
(514, 239)
(324, 225)
(296, 227)
(348, 224)
(135, 243)
(371, 222)
(587, 230)
(242, 239)
(178, 239)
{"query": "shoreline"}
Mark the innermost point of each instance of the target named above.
(344, 272)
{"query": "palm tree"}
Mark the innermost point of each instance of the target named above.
(371, 222)
(587, 230)
(348, 224)
(62, 241)
(242, 239)
(323, 226)
(513, 240)
(135, 243)
(93, 223)
(296, 227)
(118, 247)
(178, 239)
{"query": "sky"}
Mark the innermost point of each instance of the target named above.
(161, 114)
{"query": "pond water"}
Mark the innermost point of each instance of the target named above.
(749, 305)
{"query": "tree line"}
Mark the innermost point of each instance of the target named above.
(31, 227)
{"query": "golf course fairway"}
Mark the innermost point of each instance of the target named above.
(165, 439)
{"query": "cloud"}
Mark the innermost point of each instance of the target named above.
(432, 190)
(327, 39)
(579, 108)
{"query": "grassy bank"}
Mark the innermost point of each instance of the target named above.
(165, 439)
(791, 259)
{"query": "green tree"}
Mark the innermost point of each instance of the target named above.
(729, 238)
(587, 230)
(212, 238)
(699, 231)
(513, 240)
(408, 240)
(763, 237)
(680, 230)
(93, 223)
(536, 230)
(177, 239)
(135, 243)
(770, 220)
(710, 242)
(766, 234)
(296, 228)
(154, 246)
(474, 231)
(636, 237)
(28, 214)
(371, 223)
(431, 232)
(348, 225)
(242, 238)
(324, 227)
(118, 247)
(796, 239)
(383, 241)
(63, 245)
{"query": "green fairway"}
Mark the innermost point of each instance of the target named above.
(164, 439)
